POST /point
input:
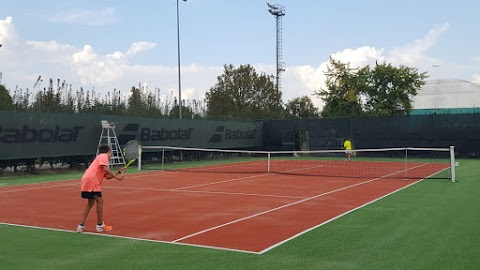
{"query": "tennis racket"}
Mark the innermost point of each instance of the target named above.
(131, 152)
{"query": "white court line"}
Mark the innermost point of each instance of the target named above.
(241, 178)
(219, 248)
(303, 169)
(133, 175)
(152, 189)
(40, 183)
(207, 168)
(129, 238)
(207, 192)
(332, 219)
(219, 182)
(236, 164)
(339, 216)
(37, 185)
(284, 206)
(35, 188)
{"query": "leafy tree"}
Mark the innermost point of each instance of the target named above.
(152, 109)
(342, 96)
(136, 105)
(62, 98)
(197, 107)
(143, 104)
(390, 89)
(69, 104)
(191, 108)
(241, 93)
(301, 107)
(186, 112)
(21, 100)
(6, 102)
(383, 90)
(83, 101)
(47, 100)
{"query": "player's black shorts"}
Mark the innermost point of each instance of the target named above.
(90, 195)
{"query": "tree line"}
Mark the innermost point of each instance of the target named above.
(379, 91)
(60, 97)
(240, 93)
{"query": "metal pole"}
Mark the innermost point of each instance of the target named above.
(278, 63)
(179, 76)
(452, 163)
(139, 158)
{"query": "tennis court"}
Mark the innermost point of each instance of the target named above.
(234, 206)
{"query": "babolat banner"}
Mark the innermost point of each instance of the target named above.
(26, 135)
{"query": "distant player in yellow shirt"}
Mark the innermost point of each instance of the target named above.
(347, 145)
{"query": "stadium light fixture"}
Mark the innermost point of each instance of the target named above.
(278, 11)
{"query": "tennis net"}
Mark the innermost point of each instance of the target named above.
(396, 163)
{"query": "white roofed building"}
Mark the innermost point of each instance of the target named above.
(447, 96)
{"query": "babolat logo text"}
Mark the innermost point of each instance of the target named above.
(148, 134)
(232, 134)
(130, 132)
(239, 134)
(27, 134)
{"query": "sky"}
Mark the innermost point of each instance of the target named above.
(107, 44)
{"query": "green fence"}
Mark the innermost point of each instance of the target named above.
(36, 135)
(44, 135)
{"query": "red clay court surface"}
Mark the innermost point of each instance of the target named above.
(233, 211)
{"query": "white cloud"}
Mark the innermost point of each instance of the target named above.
(103, 71)
(360, 57)
(86, 56)
(196, 79)
(84, 67)
(86, 17)
(476, 78)
(96, 70)
(414, 53)
(6, 29)
(116, 55)
(51, 46)
(138, 47)
(8, 37)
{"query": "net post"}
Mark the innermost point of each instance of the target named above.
(452, 163)
(405, 165)
(268, 162)
(139, 157)
(163, 156)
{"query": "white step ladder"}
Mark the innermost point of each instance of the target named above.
(109, 138)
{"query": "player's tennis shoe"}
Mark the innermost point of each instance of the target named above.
(80, 228)
(103, 228)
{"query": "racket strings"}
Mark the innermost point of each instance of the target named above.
(131, 151)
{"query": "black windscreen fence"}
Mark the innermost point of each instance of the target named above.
(431, 131)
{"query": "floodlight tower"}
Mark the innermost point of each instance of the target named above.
(278, 11)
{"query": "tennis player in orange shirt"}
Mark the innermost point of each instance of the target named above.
(91, 189)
